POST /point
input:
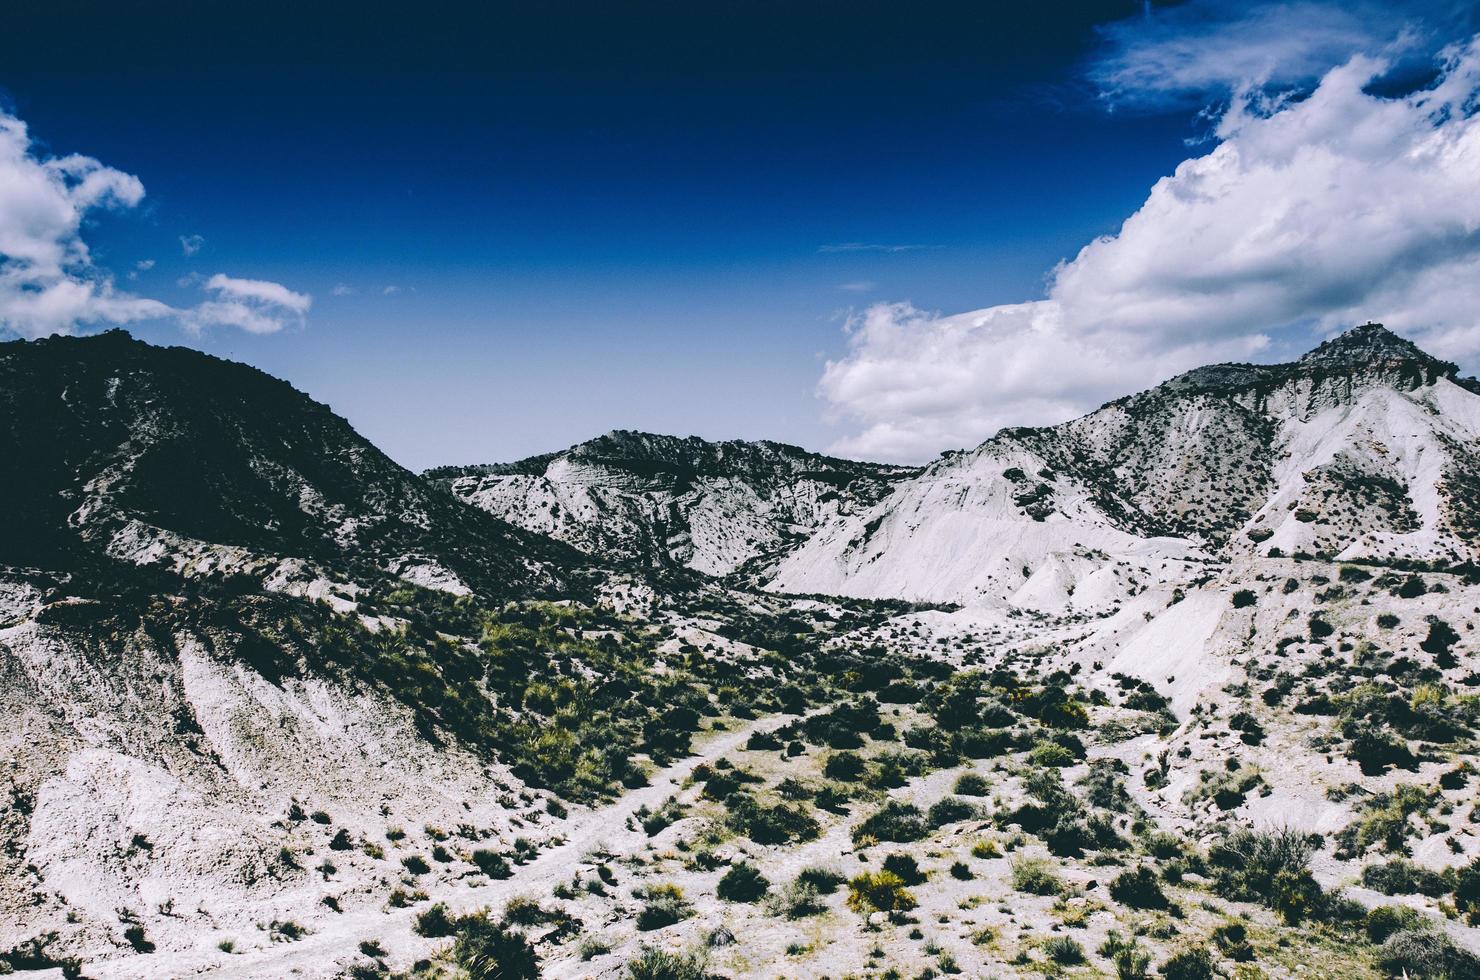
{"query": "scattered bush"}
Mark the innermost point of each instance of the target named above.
(973, 784)
(1402, 877)
(895, 821)
(879, 891)
(1036, 876)
(1425, 953)
(985, 849)
(1247, 863)
(1126, 955)
(1063, 950)
(1195, 963)
(1138, 888)
(664, 905)
(492, 863)
(905, 867)
(490, 951)
(742, 883)
(656, 964)
(797, 900)
(952, 810)
(845, 766)
(825, 880)
(1385, 920)
(434, 922)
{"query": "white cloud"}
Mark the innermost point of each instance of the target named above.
(48, 280)
(1315, 212)
(1209, 49)
(343, 289)
(390, 290)
(253, 305)
(191, 244)
(858, 286)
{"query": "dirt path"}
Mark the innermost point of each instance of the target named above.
(328, 950)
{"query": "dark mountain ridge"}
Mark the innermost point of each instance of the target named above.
(122, 451)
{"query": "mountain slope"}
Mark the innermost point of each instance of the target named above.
(1364, 448)
(656, 500)
(168, 458)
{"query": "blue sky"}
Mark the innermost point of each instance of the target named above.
(522, 227)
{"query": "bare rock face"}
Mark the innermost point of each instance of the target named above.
(657, 500)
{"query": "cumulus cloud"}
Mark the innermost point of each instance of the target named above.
(1313, 212)
(191, 245)
(48, 280)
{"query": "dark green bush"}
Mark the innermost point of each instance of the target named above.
(490, 951)
(492, 863)
(1189, 964)
(894, 821)
(434, 922)
(743, 883)
(973, 784)
(1138, 888)
(663, 906)
(1426, 953)
(657, 964)
(1402, 877)
(905, 867)
(952, 809)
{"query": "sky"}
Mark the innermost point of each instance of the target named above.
(876, 229)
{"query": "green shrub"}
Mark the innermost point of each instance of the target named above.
(1402, 877)
(1063, 950)
(656, 964)
(434, 922)
(416, 864)
(772, 823)
(952, 810)
(797, 900)
(895, 821)
(1246, 863)
(1296, 895)
(1126, 955)
(825, 880)
(1426, 953)
(664, 905)
(742, 883)
(847, 767)
(905, 867)
(973, 784)
(879, 891)
(1467, 887)
(1385, 920)
(1195, 963)
(1036, 876)
(1138, 888)
(492, 863)
(490, 951)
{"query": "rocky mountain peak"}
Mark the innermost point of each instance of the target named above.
(1373, 347)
